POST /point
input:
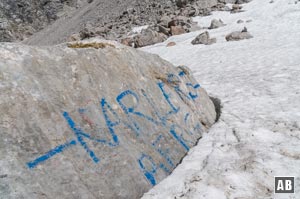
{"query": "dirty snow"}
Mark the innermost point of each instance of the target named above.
(257, 81)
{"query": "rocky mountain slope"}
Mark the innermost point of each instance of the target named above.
(20, 19)
(114, 19)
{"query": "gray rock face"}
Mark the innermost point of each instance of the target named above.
(204, 38)
(93, 120)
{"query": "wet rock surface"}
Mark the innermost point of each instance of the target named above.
(95, 120)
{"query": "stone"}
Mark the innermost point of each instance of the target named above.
(164, 30)
(194, 27)
(148, 37)
(128, 41)
(204, 38)
(177, 30)
(88, 31)
(193, 11)
(181, 3)
(212, 41)
(164, 21)
(179, 20)
(94, 119)
(239, 35)
(240, 21)
(74, 37)
(242, 1)
(100, 30)
(236, 8)
(230, 1)
(206, 4)
(174, 22)
(172, 43)
(215, 23)
(227, 8)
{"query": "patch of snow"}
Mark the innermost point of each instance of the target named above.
(137, 30)
(257, 81)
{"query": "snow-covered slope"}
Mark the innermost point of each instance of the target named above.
(258, 83)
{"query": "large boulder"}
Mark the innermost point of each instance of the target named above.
(93, 120)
